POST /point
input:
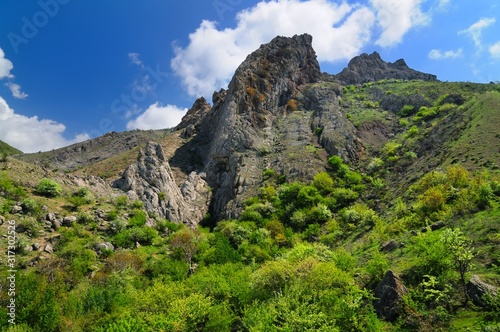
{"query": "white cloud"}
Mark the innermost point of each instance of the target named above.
(396, 18)
(340, 31)
(443, 4)
(439, 55)
(495, 50)
(16, 90)
(476, 29)
(29, 134)
(5, 66)
(134, 58)
(157, 117)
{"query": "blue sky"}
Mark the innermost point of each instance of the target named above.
(72, 69)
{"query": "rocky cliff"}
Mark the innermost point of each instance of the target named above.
(278, 113)
(369, 68)
(237, 137)
(150, 179)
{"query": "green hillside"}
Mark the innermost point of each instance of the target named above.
(422, 202)
(7, 150)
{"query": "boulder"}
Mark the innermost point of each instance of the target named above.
(102, 246)
(56, 224)
(437, 225)
(389, 246)
(50, 217)
(389, 294)
(69, 221)
(477, 289)
(16, 209)
(48, 248)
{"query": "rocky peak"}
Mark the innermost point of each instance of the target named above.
(193, 117)
(240, 123)
(368, 68)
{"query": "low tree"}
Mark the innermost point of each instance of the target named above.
(187, 241)
(461, 251)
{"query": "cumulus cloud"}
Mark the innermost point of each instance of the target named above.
(30, 134)
(16, 90)
(475, 30)
(495, 50)
(340, 30)
(5, 66)
(396, 18)
(206, 64)
(439, 55)
(157, 117)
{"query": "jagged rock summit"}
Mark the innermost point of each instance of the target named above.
(369, 68)
(240, 127)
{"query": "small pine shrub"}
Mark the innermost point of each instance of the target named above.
(49, 188)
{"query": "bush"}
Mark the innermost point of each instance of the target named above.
(407, 110)
(412, 132)
(323, 182)
(49, 188)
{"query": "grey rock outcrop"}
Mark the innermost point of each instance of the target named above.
(369, 68)
(191, 120)
(389, 294)
(150, 180)
(477, 289)
(238, 130)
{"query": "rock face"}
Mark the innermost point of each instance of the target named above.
(240, 128)
(150, 180)
(191, 121)
(390, 294)
(279, 112)
(476, 289)
(369, 68)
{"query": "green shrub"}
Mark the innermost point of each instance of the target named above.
(9, 188)
(138, 218)
(407, 110)
(412, 132)
(268, 173)
(323, 182)
(48, 187)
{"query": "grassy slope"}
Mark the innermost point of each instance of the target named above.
(474, 146)
(6, 149)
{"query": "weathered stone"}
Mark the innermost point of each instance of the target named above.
(103, 246)
(36, 246)
(16, 209)
(389, 294)
(28, 248)
(389, 246)
(48, 248)
(50, 217)
(68, 221)
(2, 220)
(56, 224)
(477, 289)
(437, 225)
